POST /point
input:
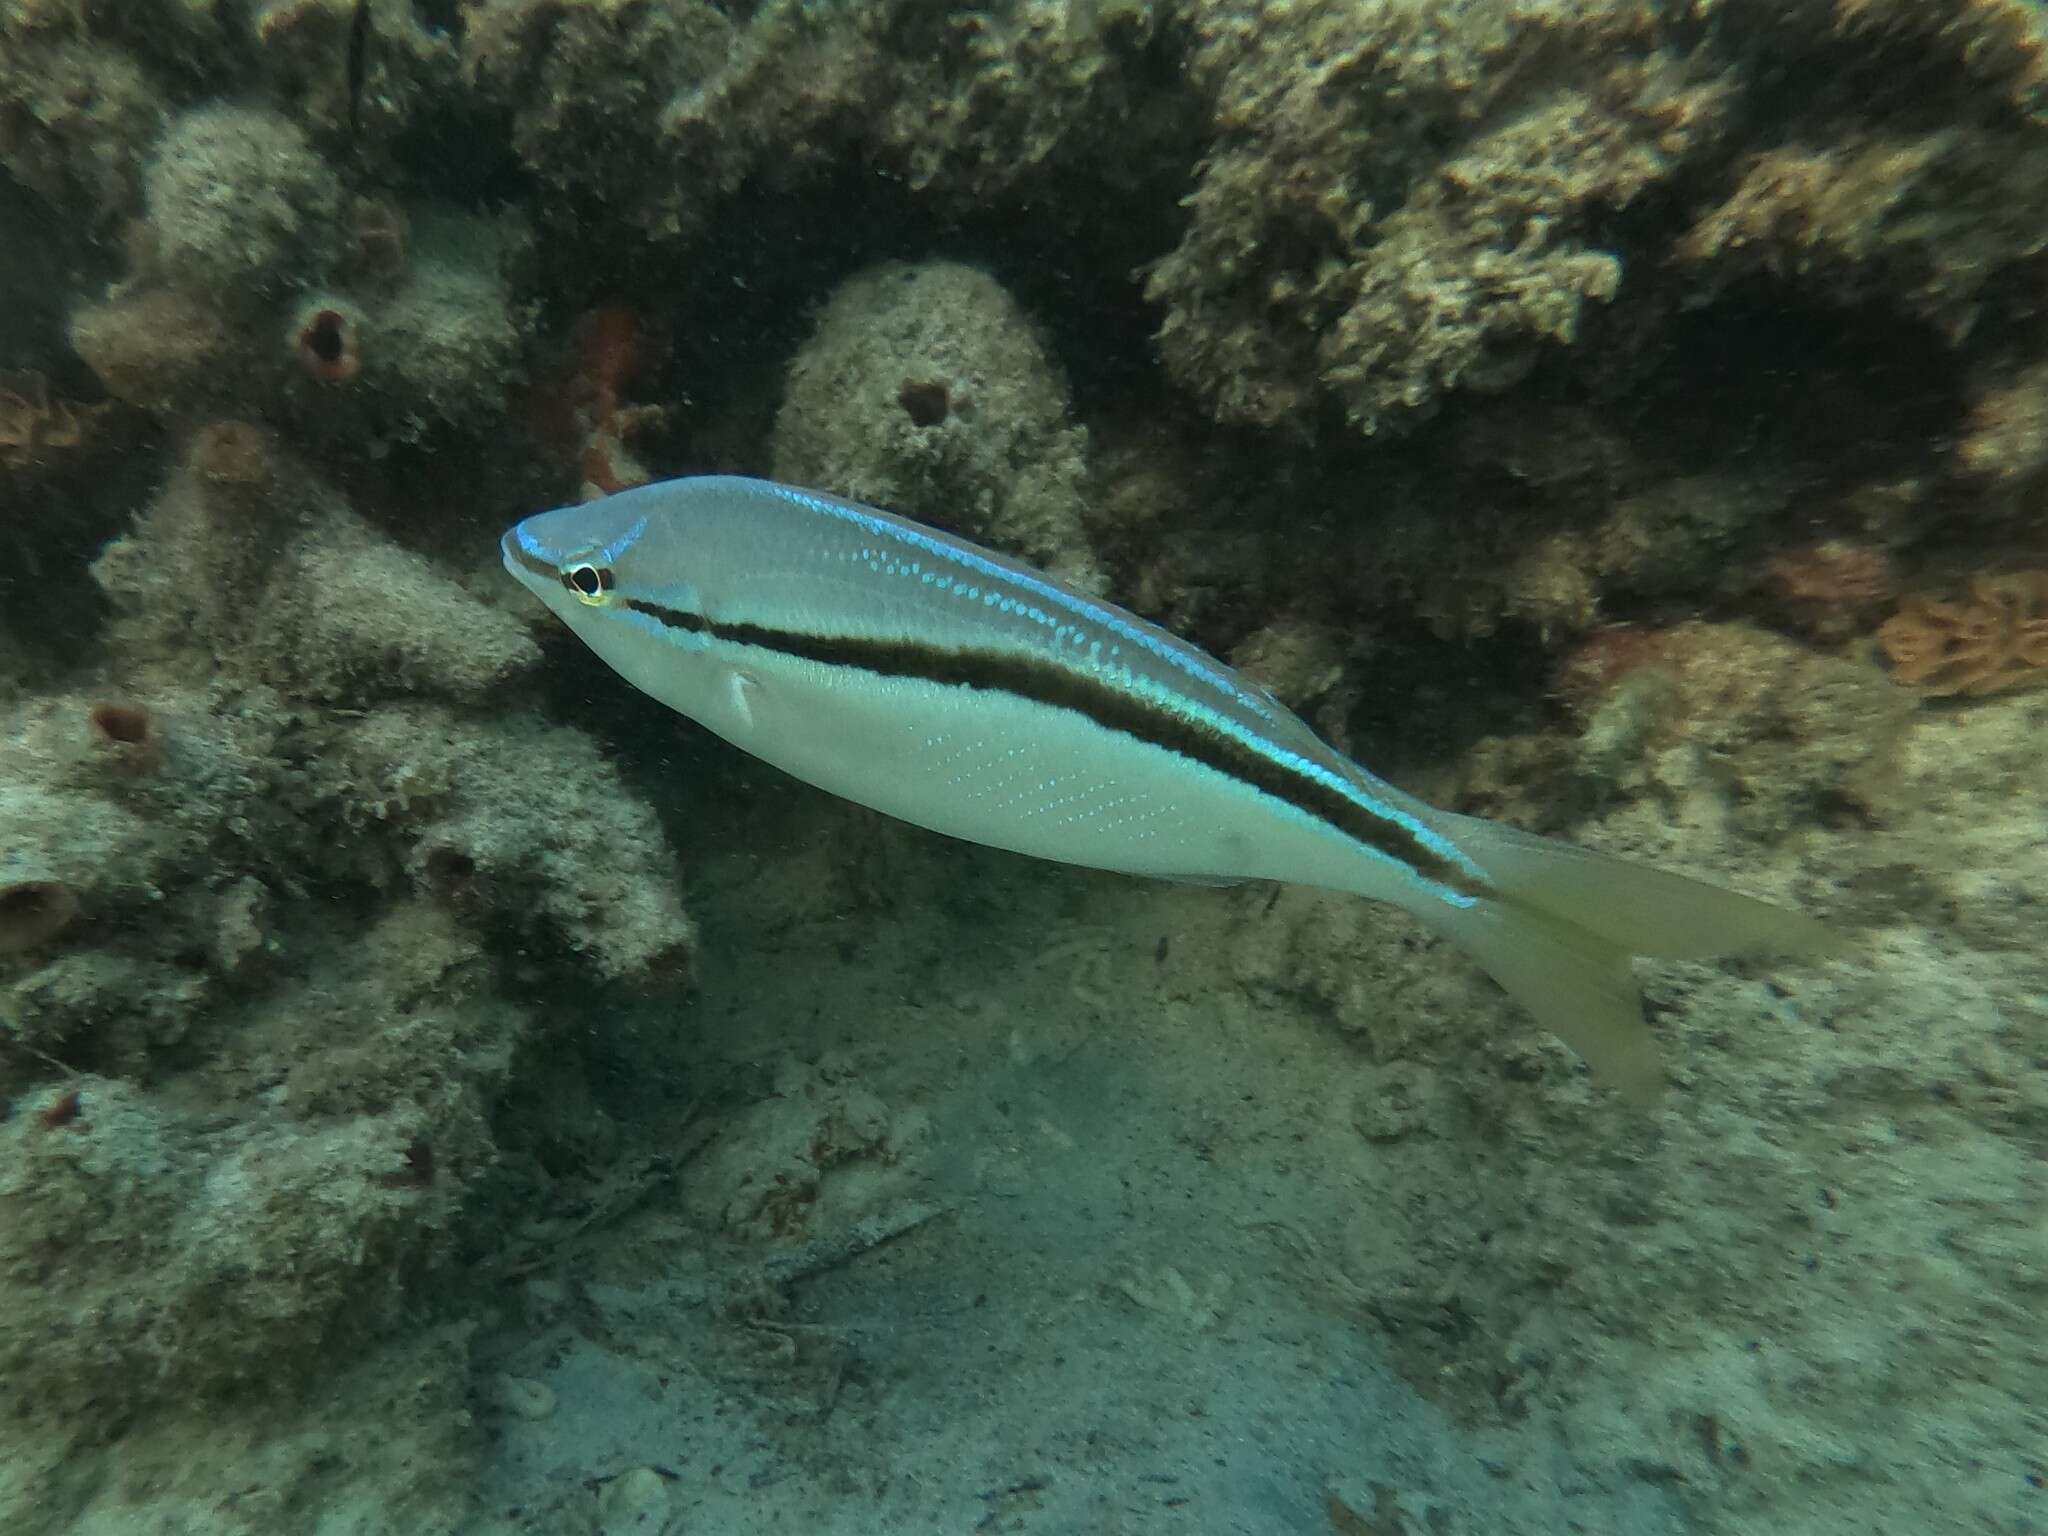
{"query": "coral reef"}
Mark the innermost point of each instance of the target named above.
(1778, 737)
(962, 106)
(1400, 207)
(446, 336)
(1788, 1105)
(1559, 399)
(76, 111)
(2000, 44)
(158, 350)
(258, 286)
(563, 861)
(1407, 274)
(319, 606)
(281, 873)
(1927, 221)
(258, 1240)
(927, 390)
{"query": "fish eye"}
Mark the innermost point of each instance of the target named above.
(592, 583)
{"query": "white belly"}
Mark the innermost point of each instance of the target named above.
(993, 768)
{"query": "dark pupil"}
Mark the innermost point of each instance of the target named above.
(585, 579)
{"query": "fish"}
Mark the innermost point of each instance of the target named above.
(953, 687)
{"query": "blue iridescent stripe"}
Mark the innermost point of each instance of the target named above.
(1185, 659)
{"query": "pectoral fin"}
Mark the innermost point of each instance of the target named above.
(742, 688)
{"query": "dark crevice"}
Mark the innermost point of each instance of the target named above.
(444, 16)
(1851, 390)
(459, 149)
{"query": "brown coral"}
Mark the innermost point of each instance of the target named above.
(32, 425)
(1997, 639)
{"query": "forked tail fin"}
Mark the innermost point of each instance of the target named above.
(1559, 934)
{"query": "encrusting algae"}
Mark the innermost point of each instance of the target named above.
(1995, 640)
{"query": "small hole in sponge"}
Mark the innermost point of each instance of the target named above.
(125, 725)
(327, 345)
(449, 866)
(125, 735)
(323, 338)
(33, 911)
(927, 402)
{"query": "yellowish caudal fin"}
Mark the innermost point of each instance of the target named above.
(1560, 933)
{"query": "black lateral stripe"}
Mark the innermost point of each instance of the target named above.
(1047, 683)
(675, 618)
(545, 570)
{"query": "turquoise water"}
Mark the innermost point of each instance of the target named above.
(443, 1089)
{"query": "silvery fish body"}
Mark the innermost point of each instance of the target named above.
(913, 672)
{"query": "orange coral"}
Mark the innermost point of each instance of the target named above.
(32, 425)
(608, 354)
(1995, 640)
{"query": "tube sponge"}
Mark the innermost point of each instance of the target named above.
(447, 337)
(157, 349)
(235, 193)
(527, 827)
(272, 572)
(926, 389)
